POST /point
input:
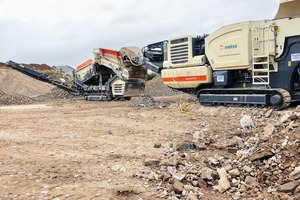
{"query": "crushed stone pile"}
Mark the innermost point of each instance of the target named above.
(39, 67)
(7, 99)
(13, 82)
(147, 101)
(17, 88)
(155, 87)
(257, 159)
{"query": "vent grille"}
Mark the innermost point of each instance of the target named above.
(118, 88)
(179, 53)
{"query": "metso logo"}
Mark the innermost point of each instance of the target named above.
(233, 46)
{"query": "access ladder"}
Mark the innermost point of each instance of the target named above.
(260, 56)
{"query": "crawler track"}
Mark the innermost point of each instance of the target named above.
(276, 98)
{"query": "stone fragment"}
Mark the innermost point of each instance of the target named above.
(232, 149)
(224, 183)
(247, 169)
(185, 147)
(195, 183)
(297, 109)
(237, 196)
(235, 182)
(207, 173)
(199, 135)
(295, 175)
(251, 181)
(269, 129)
(271, 189)
(202, 147)
(289, 187)
(232, 142)
(284, 118)
(179, 175)
(178, 186)
(297, 190)
(172, 170)
(202, 183)
(284, 196)
(228, 167)
(234, 172)
(166, 177)
(151, 162)
(191, 196)
(247, 123)
(268, 113)
(157, 145)
(261, 155)
(213, 161)
(293, 117)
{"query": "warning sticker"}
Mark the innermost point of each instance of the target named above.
(295, 57)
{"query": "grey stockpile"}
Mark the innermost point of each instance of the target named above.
(19, 89)
(156, 87)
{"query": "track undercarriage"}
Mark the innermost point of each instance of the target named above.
(275, 98)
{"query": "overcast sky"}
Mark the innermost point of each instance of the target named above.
(64, 32)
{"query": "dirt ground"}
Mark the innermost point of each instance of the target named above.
(74, 149)
(83, 150)
(163, 145)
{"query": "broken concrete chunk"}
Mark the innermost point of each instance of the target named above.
(269, 129)
(261, 155)
(247, 169)
(213, 161)
(289, 187)
(269, 113)
(297, 190)
(247, 123)
(234, 172)
(284, 118)
(179, 176)
(251, 181)
(207, 173)
(151, 162)
(199, 135)
(224, 183)
(178, 187)
(235, 182)
(295, 175)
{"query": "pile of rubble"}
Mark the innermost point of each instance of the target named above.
(55, 94)
(17, 88)
(259, 160)
(15, 99)
(155, 87)
(9, 99)
(147, 101)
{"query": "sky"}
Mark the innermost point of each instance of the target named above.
(65, 32)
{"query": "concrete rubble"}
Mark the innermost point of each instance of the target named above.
(264, 165)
